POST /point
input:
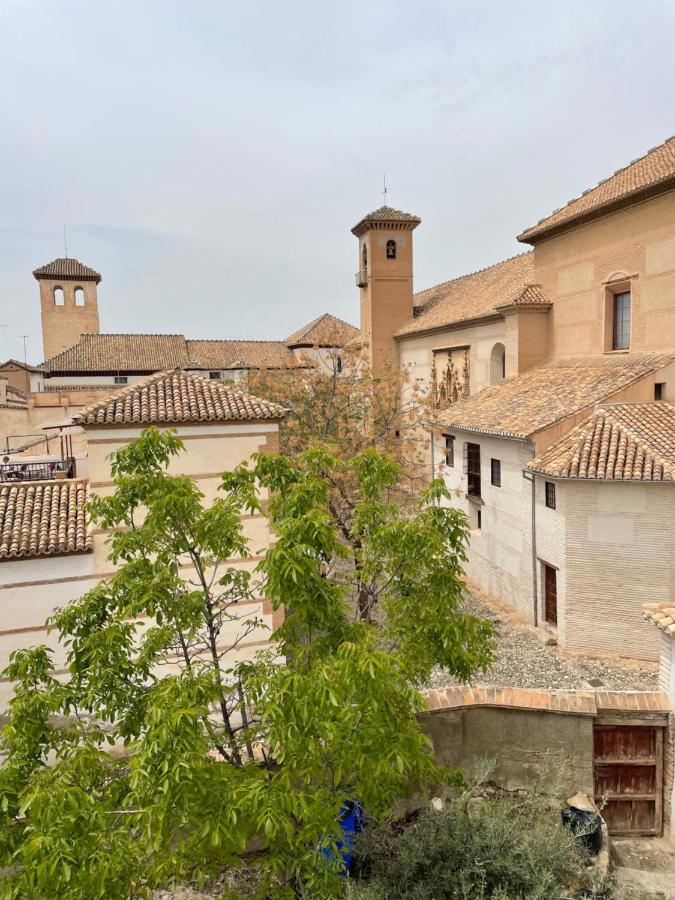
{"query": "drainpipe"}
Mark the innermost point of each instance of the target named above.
(433, 463)
(535, 599)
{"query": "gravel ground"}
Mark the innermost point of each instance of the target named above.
(523, 661)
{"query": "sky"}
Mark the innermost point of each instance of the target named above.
(209, 158)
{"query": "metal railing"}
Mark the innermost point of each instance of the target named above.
(16, 472)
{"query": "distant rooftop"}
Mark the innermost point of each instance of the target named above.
(68, 270)
(324, 331)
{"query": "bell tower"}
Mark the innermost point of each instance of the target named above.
(385, 280)
(68, 303)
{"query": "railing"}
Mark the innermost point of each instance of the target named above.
(14, 472)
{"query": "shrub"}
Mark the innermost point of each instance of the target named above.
(500, 848)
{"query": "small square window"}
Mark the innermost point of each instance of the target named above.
(214, 376)
(121, 379)
(496, 472)
(658, 390)
(449, 450)
(550, 494)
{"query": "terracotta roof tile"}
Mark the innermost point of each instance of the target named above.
(19, 365)
(210, 354)
(531, 295)
(662, 615)
(470, 296)
(43, 518)
(523, 405)
(324, 331)
(175, 397)
(621, 442)
(385, 215)
(651, 173)
(68, 270)
(148, 353)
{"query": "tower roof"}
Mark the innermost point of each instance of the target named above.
(67, 270)
(387, 217)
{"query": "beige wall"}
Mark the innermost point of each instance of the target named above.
(619, 554)
(574, 268)
(31, 589)
(63, 325)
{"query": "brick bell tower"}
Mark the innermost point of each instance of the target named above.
(385, 280)
(68, 302)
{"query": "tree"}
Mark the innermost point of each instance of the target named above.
(160, 757)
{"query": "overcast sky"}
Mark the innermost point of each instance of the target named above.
(209, 158)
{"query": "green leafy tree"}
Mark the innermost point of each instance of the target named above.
(161, 756)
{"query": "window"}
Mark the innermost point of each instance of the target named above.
(391, 249)
(473, 469)
(658, 390)
(59, 299)
(479, 519)
(549, 489)
(121, 379)
(79, 296)
(449, 449)
(214, 376)
(621, 328)
(497, 364)
(365, 257)
(338, 364)
(496, 472)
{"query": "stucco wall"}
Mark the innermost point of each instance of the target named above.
(500, 551)
(525, 744)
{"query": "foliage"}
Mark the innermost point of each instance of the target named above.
(165, 753)
(499, 848)
(337, 401)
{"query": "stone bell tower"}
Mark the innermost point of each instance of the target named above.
(68, 303)
(385, 279)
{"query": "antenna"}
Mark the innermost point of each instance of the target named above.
(24, 336)
(384, 188)
(65, 242)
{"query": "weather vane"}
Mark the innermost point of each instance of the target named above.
(65, 242)
(384, 188)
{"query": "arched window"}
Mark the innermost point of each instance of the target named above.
(497, 364)
(79, 296)
(59, 299)
(365, 257)
(391, 249)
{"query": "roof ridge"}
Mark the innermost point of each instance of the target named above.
(501, 262)
(600, 183)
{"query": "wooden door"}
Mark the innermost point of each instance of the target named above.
(628, 777)
(550, 595)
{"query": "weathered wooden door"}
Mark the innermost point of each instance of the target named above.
(628, 776)
(550, 595)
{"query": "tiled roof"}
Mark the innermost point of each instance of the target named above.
(580, 702)
(624, 442)
(662, 615)
(146, 353)
(43, 518)
(531, 295)
(470, 296)
(525, 404)
(18, 364)
(68, 269)
(324, 331)
(113, 353)
(240, 355)
(175, 397)
(650, 174)
(387, 216)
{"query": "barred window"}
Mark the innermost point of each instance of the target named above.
(550, 494)
(621, 334)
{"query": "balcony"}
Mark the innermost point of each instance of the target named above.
(37, 470)
(361, 278)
